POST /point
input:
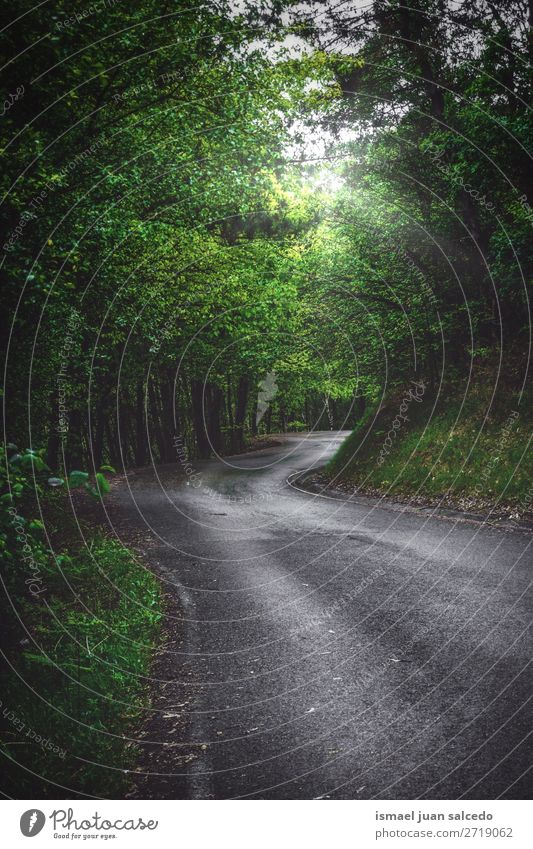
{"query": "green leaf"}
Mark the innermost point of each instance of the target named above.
(31, 459)
(102, 483)
(38, 658)
(77, 478)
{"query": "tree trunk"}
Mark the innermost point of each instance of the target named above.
(54, 436)
(156, 417)
(97, 436)
(282, 418)
(170, 420)
(229, 405)
(74, 452)
(216, 398)
(253, 418)
(113, 444)
(202, 440)
(141, 443)
(240, 411)
(126, 436)
(359, 407)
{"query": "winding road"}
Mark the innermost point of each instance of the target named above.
(321, 647)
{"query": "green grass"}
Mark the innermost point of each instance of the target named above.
(474, 456)
(79, 671)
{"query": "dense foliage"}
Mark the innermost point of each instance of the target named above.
(172, 241)
(78, 632)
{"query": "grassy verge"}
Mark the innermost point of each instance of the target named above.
(472, 455)
(79, 641)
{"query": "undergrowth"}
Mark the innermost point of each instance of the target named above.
(472, 452)
(79, 632)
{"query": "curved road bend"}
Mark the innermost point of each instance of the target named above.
(324, 648)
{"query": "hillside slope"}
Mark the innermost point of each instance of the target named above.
(465, 446)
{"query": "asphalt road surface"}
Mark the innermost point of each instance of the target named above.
(325, 648)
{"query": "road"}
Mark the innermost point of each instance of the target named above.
(321, 648)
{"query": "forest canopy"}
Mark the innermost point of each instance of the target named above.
(201, 198)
